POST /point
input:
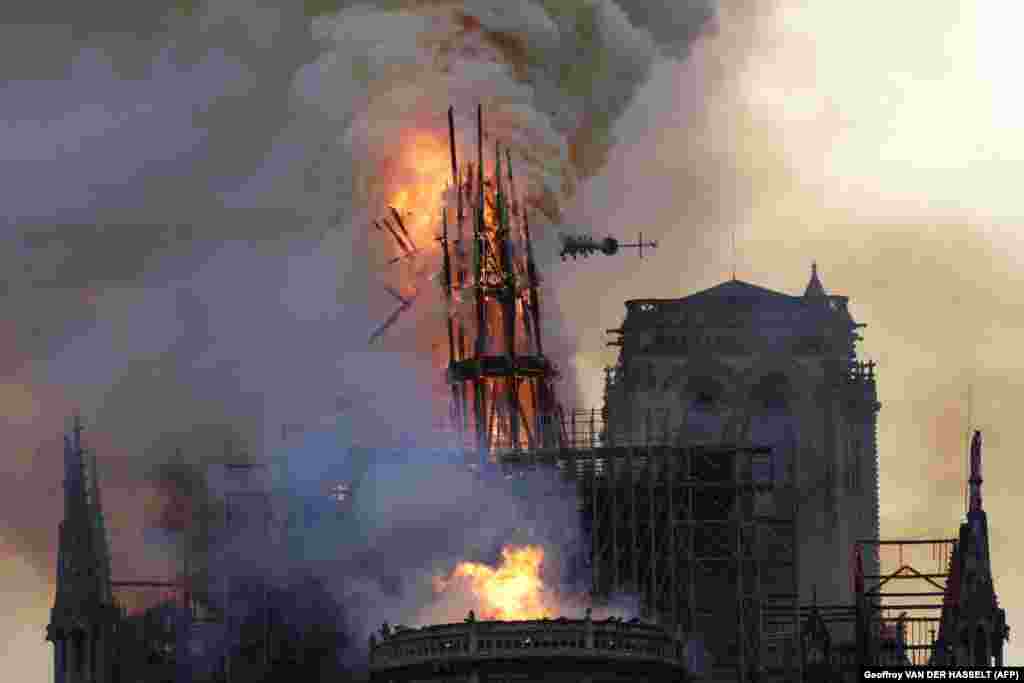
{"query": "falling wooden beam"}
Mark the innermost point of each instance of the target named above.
(401, 226)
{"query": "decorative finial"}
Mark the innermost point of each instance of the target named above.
(814, 287)
(975, 480)
(734, 252)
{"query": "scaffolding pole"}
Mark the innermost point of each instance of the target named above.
(672, 523)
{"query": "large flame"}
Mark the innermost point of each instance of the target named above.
(418, 177)
(512, 591)
(425, 172)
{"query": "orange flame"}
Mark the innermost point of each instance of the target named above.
(513, 591)
(426, 170)
(419, 174)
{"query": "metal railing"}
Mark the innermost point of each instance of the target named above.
(584, 429)
(577, 429)
(905, 601)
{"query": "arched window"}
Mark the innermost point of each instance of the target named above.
(701, 408)
(772, 423)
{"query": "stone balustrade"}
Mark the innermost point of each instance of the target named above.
(481, 640)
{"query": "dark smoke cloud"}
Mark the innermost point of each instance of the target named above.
(185, 260)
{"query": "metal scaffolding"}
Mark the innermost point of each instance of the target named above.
(899, 628)
(705, 535)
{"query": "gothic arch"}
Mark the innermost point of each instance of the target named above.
(702, 404)
(773, 402)
(800, 382)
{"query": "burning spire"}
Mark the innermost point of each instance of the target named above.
(509, 377)
(555, 78)
(500, 380)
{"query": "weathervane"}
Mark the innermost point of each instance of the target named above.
(585, 245)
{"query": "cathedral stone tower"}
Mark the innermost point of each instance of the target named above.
(84, 616)
(741, 364)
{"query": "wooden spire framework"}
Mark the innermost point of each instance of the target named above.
(501, 381)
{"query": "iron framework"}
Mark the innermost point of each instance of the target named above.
(898, 628)
(705, 535)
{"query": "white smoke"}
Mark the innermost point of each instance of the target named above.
(553, 77)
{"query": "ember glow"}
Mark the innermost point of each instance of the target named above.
(419, 175)
(425, 172)
(512, 591)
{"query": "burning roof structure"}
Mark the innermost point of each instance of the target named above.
(500, 378)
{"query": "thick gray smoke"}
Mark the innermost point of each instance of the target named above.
(554, 76)
(186, 259)
(411, 518)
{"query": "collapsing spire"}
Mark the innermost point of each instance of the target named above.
(496, 356)
(814, 287)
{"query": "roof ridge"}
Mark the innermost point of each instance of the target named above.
(736, 287)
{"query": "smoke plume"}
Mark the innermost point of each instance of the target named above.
(187, 195)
